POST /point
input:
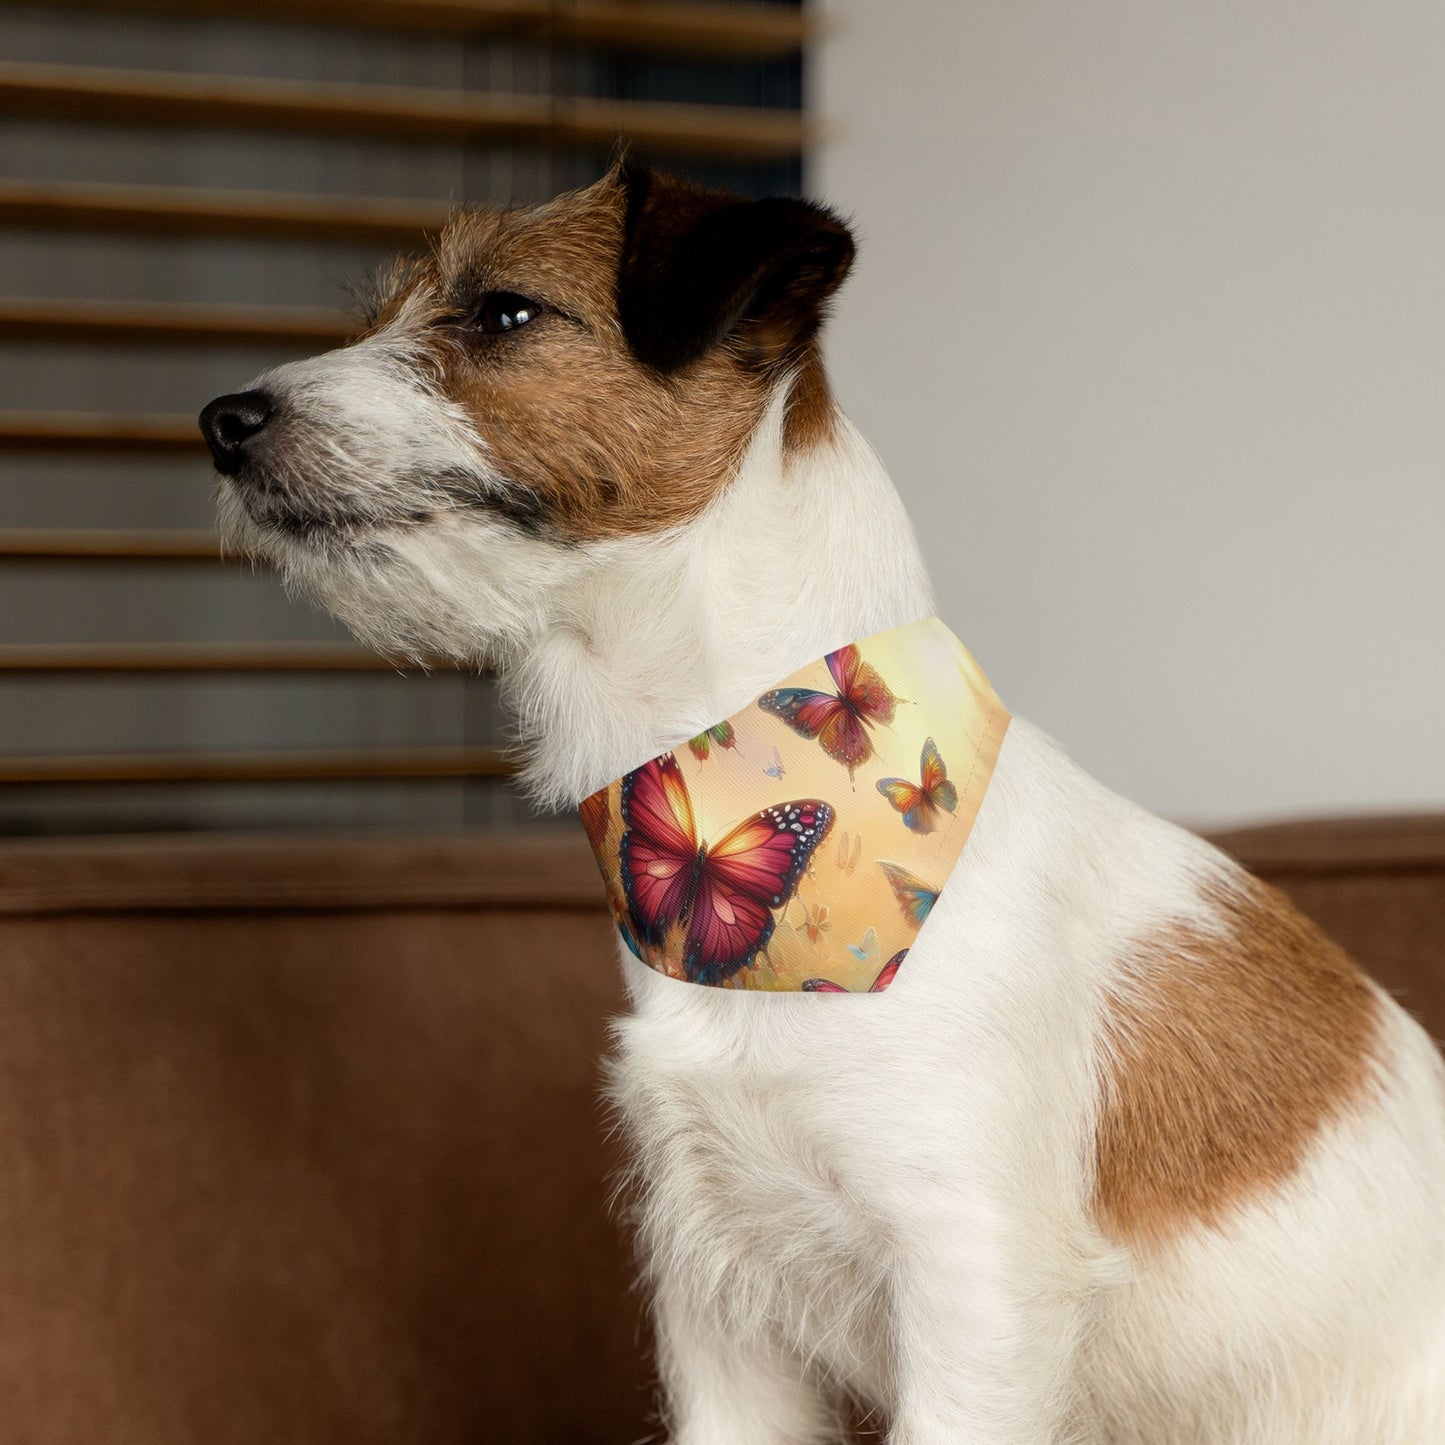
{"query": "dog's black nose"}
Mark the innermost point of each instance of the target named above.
(229, 422)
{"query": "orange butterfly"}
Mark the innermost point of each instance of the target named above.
(815, 920)
(920, 804)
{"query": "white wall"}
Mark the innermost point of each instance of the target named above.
(1149, 324)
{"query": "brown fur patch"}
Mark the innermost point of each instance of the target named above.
(605, 445)
(812, 415)
(1226, 1054)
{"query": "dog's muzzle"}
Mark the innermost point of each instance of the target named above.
(231, 423)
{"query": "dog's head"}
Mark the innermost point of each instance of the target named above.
(545, 382)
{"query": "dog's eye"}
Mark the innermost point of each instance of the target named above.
(504, 311)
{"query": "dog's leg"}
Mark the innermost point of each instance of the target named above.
(985, 1339)
(721, 1387)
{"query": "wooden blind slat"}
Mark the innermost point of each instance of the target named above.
(219, 102)
(188, 657)
(227, 103)
(173, 211)
(755, 32)
(171, 323)
(762, 32)
(78, 431)
(83, 544)
(271, 766)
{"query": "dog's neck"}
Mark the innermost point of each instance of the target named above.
(802, 553)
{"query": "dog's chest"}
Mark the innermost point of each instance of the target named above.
(754, 1176)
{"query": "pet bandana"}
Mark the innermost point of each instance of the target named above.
(801, 844)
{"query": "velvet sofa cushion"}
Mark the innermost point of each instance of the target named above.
(301, 1142)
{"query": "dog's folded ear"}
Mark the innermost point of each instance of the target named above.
(700, 266)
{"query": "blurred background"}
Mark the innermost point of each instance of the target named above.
(1146, 323)
(188, 193)
(301, 1009)
(1149, 324)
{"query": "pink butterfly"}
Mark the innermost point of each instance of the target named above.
(723, 894)
(890, 970)
(838, 720)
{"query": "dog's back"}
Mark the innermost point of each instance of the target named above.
(1084, 1123)
(1128, 1152)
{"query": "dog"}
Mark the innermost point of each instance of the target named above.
(1129, 1152)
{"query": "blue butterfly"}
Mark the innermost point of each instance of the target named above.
(866, 949)
(914, 896)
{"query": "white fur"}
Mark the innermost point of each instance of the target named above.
(890, 1194)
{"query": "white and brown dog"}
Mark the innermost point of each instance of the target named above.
(1131, 1153)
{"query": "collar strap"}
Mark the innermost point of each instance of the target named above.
(802, 843)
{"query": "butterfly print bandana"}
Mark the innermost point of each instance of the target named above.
(801, 844)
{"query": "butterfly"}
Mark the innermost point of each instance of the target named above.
(914, 896)
(774, 767)
(629, 940)
(885, 977)
(849, 851)
(596, 812)
(867, 948)
(840, 721)
(815, 920)
(721, 734)
(721, 894)
(920, 803)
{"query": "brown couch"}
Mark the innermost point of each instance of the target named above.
(302, 1141)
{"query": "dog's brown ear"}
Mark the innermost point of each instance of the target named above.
(699, 266)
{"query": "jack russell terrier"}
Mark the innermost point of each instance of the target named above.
(1043, 1123)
